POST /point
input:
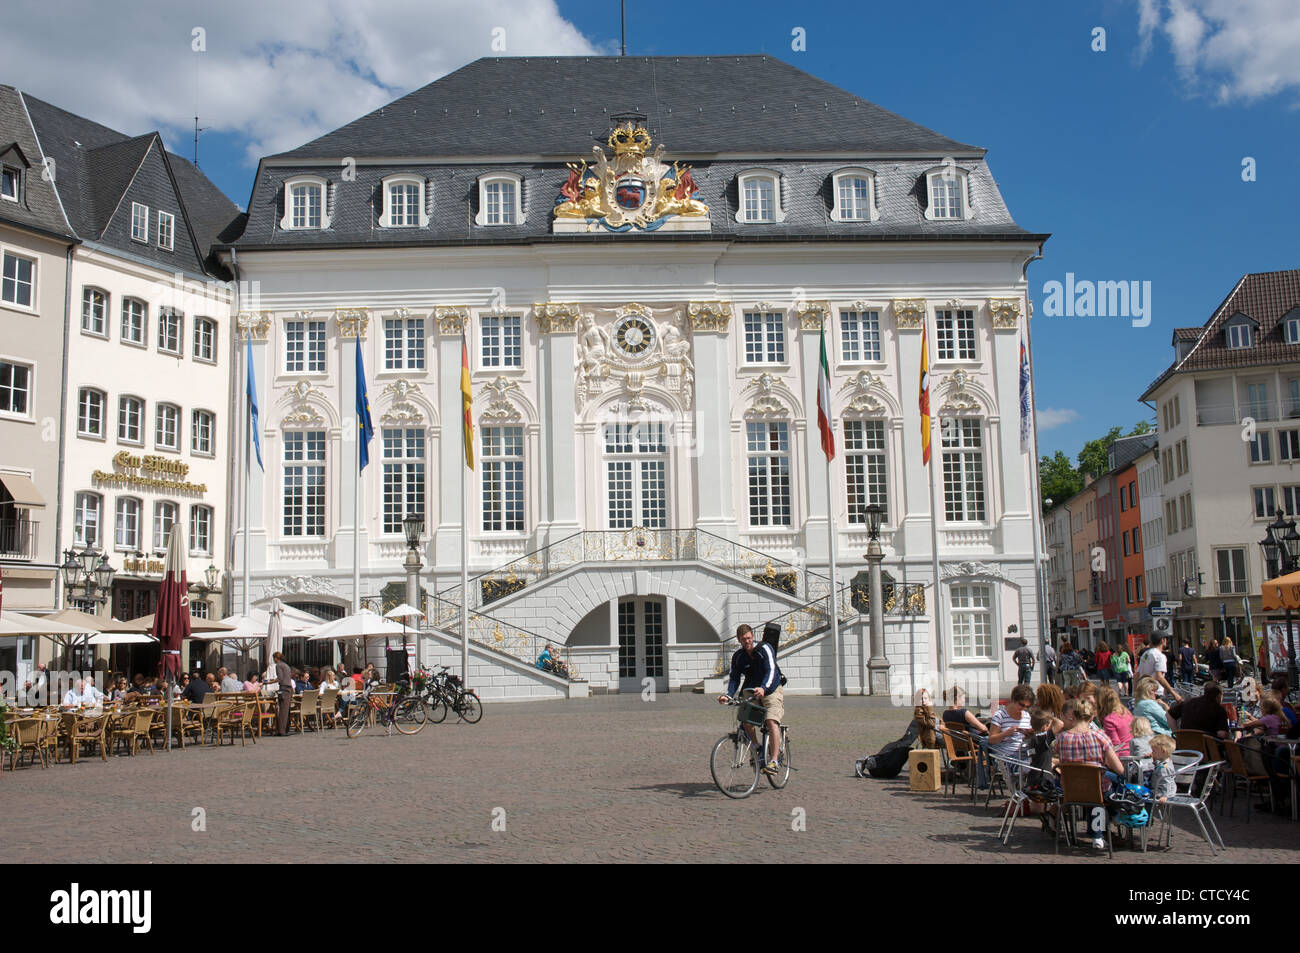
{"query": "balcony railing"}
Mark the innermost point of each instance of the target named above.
(18, 539)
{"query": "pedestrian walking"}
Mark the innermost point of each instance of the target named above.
(1049, 664)
(1024, 659)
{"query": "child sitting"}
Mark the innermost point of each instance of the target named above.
(1041, 784)
(1162, 778)
(1139, 746)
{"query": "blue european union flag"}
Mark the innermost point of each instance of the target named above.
(365, 426)
(252, 403)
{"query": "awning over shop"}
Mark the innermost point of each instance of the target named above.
(1281, 593)
(22, 489)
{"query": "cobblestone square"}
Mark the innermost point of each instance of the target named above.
(607, 779)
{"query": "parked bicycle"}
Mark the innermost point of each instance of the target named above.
(401, 710)
(737, 761)
(448, 691)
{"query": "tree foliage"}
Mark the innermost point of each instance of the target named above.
(1058, 479)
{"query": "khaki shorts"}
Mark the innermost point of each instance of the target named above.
(774, 705)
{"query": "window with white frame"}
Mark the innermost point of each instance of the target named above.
(126, 532)
(767, 454)
(304, 483)
(167, 427)
(972, 622)
(304, 204)
(764, 337)
(205, 340)
(139, 222)
(86, 511)
(15, 388)
(18, 281)
(1291, 330)
(403, 203)
(94, 312)
(135, 320)
(1239, 336)
(166, 228)
(865, 469)
(304, 347)
(1230, 565)
(165, 514)
(1261, 447)
(403, 344)
(955, 334)
(502, 340)
(636, 464)
(1288, 444)
(503, 479)
(947, 191)
(963, 471)
(403, 476)
(760, 198)
(201, 530)
(203, 425)
(171, 324)
(130, 420)
(9, 183)
(499, 200)
(854, 191)
(1291, 500)
(200, 609)
(1259, 401)
(859, 336)
(1265, 501)
(90, 412)
(1293, 401)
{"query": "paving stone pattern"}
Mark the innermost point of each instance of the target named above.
(611, 778)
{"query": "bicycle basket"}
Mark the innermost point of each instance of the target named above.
(751, 713)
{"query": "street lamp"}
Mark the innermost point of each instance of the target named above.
(89, 570)
(1282, 547)
(413, 527)
(879, 664)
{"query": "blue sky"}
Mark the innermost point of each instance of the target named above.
(1131, 157)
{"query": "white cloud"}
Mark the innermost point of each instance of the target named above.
(278, 73)
(1244, 49)
(1048, 418)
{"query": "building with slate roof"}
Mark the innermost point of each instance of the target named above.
(639, 254)
(120, 327)
(1230, 403)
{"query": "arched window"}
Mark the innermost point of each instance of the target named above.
(305, 203)
(947, 193)
(403, 202)
(500, 200)
(164, 518)
(759, 198)
(854, 195)
(126, 535)
(94, 311)
(87, 508)
(90, 413)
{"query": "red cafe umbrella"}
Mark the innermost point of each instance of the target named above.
(172, 620)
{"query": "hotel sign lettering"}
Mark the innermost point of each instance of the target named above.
(148, 473)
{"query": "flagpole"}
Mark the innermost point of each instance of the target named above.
(248, 466)
(834, 596)
(1035, 491)
(828, 452)
(356, 522)
(934, 561)
(464, 519)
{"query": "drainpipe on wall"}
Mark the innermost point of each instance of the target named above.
(63, 415)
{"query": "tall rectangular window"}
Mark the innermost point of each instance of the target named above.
(130, 420)
(403, 344)
(1291, 500)
(15, 388)
(500, 199)
(1261, 447)
(16, 284)
(166, 226)
(403, 476)
(1230, 565)
(963, 471)
(85, 519)
(139, 222)
(764, 337)
(501, 341)
(759, 199)
(855, 198)
(304, 483)
(94, 308)
(860, 335)
(955, 334)
(170, 323)
(304, 347)
(636, 459)
(945, 196)
(205, 340)
(1265, 502)
(90, 412)
(1288, 444)
(403, 204)
(972, 622)
(167, 427)
(135, 315)
(201, 530)
(165, 515)
(203, 426)
(503, 479)
(864, 465)
(767, 452)
(306, 206)
(127, 532)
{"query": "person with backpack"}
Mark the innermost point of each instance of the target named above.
(756, 664)
(1024, 659)
(1228, 659)
(1121, 666)
(1071, 665)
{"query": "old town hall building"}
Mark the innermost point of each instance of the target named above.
(639, 254)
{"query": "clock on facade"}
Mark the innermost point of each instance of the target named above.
(634, 335)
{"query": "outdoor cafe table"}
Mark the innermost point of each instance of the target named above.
(1290, 743)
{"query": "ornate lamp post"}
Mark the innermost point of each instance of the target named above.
(1282, 547)
(413, 527)
(879, 665)
(87, 570)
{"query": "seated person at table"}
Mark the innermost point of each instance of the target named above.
(1010, 724)
(328, 682)
(120, 689)
(1271, 720)
(92, 696)
(1140, 745)
(1150, 707)
(1204, 712)
(1162, 776)
(74, 698)
(301, 681)
(1280, 690)
(1038, 751)
(254, 682)
(358, 678)
(137, 683)
(959, 716)
(229, 681)
(1050, 698)
(196, 690)
(1115, 719)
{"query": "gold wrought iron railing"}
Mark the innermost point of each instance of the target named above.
(641, 544)
(513, 640)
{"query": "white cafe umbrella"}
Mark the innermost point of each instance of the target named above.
(119, 638)
(361, 625)
(404, 612)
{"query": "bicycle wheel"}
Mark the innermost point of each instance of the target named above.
(435, 707)
(410, 716)
(733, 766)
(357, 717)
(469, 707)
(782, 775)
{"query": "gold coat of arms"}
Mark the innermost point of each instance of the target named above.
(631, 190)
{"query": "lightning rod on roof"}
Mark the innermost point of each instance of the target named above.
(197, 130)
(622, 6)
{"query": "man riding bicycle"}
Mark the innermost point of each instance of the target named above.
(756, 664)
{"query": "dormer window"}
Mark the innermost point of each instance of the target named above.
(1239, 336)
(855, 199)
(166, 227)
(760, 198)
(949, 196)
(305, 204)
(1291, 327)
(9, 183)
(499, 200)
(139, 222)
(403, 203)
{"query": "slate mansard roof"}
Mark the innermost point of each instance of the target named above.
(98, 174)
(722, 115)
(1264, 297)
